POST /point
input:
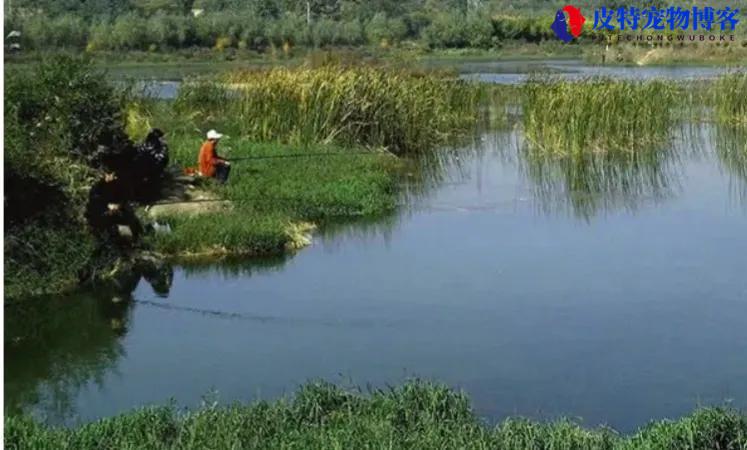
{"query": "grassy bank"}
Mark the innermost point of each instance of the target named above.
(314, 144)
(669, 53)
(273, 200)
(417, 415)
(341, 123)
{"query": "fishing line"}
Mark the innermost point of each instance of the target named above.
(327, 322)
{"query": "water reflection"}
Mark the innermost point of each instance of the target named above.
(234, 266)
(731, 148)
(589, 184)
(56, 346)
(340, 233)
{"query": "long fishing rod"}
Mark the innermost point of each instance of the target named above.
(310, 155)
(199, 200)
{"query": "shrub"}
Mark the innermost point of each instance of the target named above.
(383, 29)
(56, 115)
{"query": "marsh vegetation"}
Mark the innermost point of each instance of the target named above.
(597, 115)
(730, 98)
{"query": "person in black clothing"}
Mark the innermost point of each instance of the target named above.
(152, 156)
(133, 173)
(109, 208)
(148, 166)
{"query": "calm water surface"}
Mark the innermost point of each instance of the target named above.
(615, 294)
(166, 84)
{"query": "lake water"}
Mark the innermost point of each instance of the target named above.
(616, 295)
(166, 84)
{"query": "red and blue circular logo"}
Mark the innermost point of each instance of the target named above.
(567, 29)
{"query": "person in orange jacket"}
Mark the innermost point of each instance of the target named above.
(209, 163)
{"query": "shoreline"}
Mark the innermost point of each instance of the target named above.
(206, 60)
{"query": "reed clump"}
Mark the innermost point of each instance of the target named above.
(597, 115)
(730, 98)
(401, 110)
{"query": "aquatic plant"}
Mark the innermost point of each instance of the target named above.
(730, 98)
(597, 115)
(402, 110)
(416, 415)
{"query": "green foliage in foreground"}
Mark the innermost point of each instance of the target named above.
(417, 415)
(598, 115)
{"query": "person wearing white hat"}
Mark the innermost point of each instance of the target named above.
(210, 164)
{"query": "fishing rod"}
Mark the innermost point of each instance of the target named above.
(310, 155)
(199, 200)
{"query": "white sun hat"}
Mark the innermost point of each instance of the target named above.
(212, 134)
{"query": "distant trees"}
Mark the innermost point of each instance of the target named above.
(121, 25)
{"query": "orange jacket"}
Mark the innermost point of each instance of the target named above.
(208, 159)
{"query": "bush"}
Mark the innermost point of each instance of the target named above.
(446, 31)
(382, 29)
(56, 116)
(41, 32)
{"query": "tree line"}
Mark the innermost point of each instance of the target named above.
(223, 30)
(156, 25)
(117, 25)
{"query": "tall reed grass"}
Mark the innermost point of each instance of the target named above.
(730, 98)
(597, 115)
(402, 110)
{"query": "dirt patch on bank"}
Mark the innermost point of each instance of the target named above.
(186, 196)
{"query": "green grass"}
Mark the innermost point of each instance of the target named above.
(416, 415)
(597, 115)
(270, 197)
(41, 259)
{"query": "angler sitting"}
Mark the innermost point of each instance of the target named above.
(210, 164)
